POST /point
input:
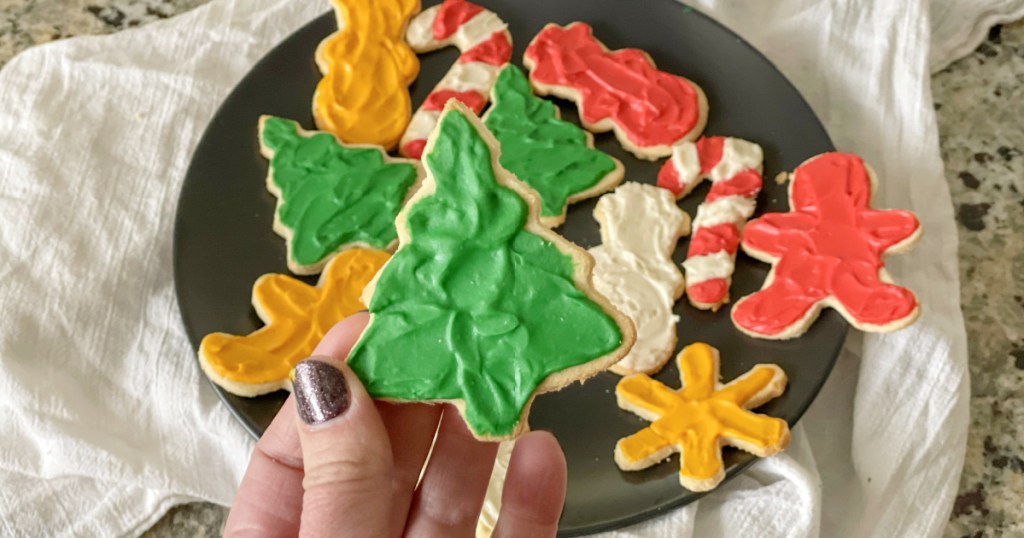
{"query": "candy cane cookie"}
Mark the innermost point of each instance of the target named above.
(485, 45)
(373, 107)
(633, 268)
(734, 167)
(649, 110)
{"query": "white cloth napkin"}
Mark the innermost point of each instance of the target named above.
(107, 421)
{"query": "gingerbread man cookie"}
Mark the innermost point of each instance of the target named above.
(633, 267)
(373, 107)
(828, 252)
(701, 417)
(622, 90)
(296, 316)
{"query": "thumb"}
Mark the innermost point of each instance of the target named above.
(345, 448)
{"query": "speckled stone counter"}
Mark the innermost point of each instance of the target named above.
(980, 107)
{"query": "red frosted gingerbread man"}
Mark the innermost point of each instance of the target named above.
(828, 252)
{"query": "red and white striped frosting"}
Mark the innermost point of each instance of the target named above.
(486, 46)
(734, 167)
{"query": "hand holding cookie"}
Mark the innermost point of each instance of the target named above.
(350, 466)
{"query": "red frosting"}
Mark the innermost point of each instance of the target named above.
(746, 183)
(709, 291)
(414, 148)
(651, 107)
(437, 99)
(709, 152)
(712, 239)
(495, 50)
(451, 16)
(829, 246)
(668, 178)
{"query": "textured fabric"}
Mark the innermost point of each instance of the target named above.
(958, 27)
(107, 421)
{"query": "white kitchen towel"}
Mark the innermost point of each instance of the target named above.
(958, 27)
(107, 421)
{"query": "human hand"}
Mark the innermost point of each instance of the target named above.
(350, 466)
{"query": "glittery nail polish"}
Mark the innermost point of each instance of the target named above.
(321, 393)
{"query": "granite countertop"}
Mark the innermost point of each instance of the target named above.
(978, 101)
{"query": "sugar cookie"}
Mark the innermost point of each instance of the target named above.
(332, 196)
(485, 45)
(734, 167)
(373, 107)
(296, 316)
(633, 268)
(622, 90)
(701, 417)
(481, 305)
(827, 251)
(555, 157)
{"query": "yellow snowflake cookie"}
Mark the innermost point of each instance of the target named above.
(700, 418)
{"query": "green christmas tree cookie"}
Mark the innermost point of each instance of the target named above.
(555, 157)
(481, 305)
(331, 196)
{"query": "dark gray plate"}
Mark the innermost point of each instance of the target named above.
(223, 238)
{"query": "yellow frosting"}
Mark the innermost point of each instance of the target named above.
(297, 316)
(697, 419)
(367, 66)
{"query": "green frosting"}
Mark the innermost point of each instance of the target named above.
(549, 154)
(473, 306)
(332, 194)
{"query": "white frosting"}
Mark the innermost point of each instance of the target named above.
(470, 76)
(737, 155)
(420, 33)
(640, 218)
(729, 209)
(423, 121)
(686, 161)
(475, 76)
(640, 225)
(476, 30)
(715, 265)
(645, 293)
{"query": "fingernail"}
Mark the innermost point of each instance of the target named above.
(321, 393)
(363, 311)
